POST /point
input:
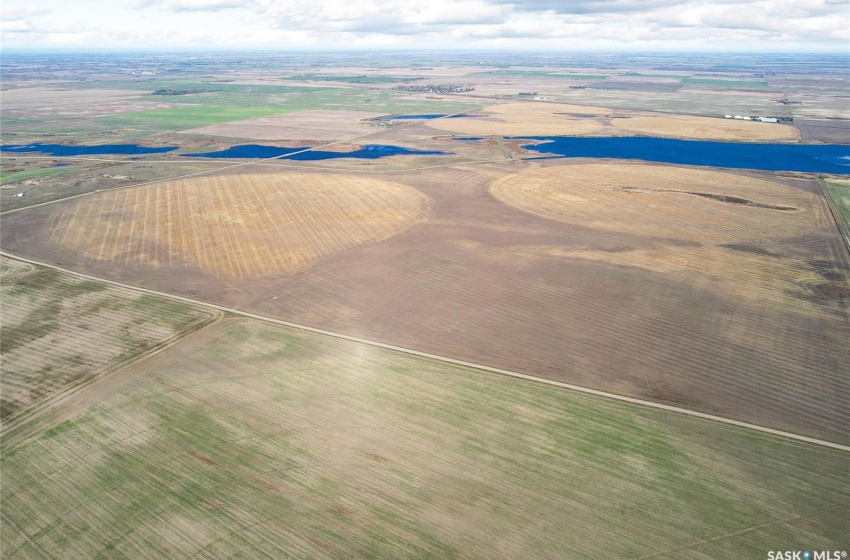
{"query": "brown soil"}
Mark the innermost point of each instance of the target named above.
(632, 307)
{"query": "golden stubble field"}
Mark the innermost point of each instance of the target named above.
(525, 119)
(238, 226)
(657, 201)
(705, 128)
(720, 223)
(552, 119)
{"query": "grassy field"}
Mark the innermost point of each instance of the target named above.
(217, 104)
(839, 194)
(238, 225)
(262, 441)
(32, 173)
(188, 116)
(59, 332)
(840, 191)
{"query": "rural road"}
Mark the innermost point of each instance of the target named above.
(445, 359)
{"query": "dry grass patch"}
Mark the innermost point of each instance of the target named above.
(525, 119)
(705, 128)
(238, 225)
(662, 201)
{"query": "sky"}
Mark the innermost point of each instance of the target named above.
(504, 25)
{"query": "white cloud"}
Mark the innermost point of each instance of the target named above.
(506, 24)
(191, 5)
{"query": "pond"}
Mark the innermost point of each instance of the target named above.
(257, 151)
(99, 150)
(420, 117)
(811, 158)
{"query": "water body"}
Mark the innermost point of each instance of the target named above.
(420, 117)
(257, 151)
(100, 150)
(810, 158)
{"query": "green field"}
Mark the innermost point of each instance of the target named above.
(33, 173)
(229, 102)
(838, 192)
(188, 116)
(261, 441)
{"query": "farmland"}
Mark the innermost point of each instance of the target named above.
(523, 119)
(60, 332)
(235, 225)
(617, 197)
(266, 441)
(264, 356)
(311, 124)
(702, 128)
(548, 119)
(563, 270)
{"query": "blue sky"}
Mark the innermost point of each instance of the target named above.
(549, 25)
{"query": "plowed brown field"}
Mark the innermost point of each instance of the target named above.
(725, 292)
(238, 226)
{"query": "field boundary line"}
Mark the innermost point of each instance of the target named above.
(453, 361)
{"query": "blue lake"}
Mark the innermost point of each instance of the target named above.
(811, 158)
(100, 150)
(256, 151)
(420, 117)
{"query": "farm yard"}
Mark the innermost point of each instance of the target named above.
(262, 440)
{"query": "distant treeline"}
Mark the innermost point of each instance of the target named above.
(179, 91)
(436, 88)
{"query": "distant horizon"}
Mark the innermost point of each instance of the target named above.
(409, 51)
